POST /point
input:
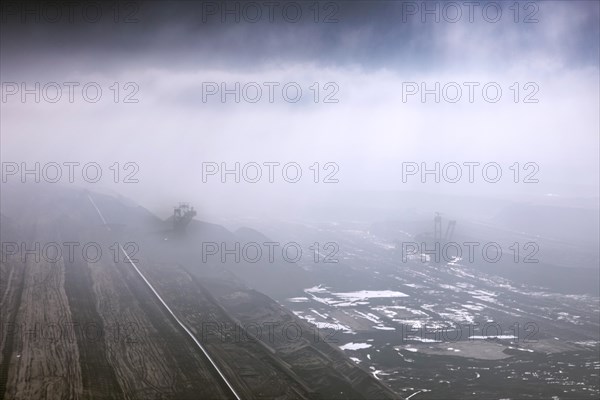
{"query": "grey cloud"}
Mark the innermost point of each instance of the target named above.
(368, 34)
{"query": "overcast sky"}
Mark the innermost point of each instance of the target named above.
(367, 52)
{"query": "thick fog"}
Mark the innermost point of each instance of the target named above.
(368, 127)
(362, 199)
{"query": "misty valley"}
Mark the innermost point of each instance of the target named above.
(299, 199)
(275, 310)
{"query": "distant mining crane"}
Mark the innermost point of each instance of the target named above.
(437, 229)
(182, 215)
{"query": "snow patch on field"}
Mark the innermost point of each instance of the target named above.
(384, 328)
(493, 337)
(298, 299)
(368, 294)
(355, 346)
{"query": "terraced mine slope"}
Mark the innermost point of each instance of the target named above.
(130, 311)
